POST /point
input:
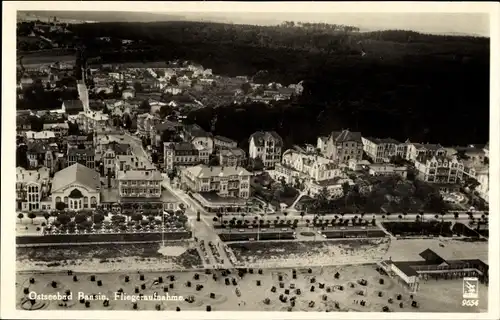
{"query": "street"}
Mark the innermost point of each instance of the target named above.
(203, 229)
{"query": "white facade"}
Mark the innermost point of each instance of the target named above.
(484, 184)
(139, 184)
(321, 144)
(266, 146)
(439, 169)
(226, 181)
(310, 166)
(381, 150)
(77, 186)
(44, 136)
(416, 150)
(334, 189)
(410, 280)
(387, 169)
(206, 142)
(31, 186)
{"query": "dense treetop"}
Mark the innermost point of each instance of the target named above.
(393, 83)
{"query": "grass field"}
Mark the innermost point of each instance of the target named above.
(272, 254)
(33, 59)
(146, 256)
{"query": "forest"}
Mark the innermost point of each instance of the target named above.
(395, 83)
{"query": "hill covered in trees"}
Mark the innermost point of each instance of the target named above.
(399, 84)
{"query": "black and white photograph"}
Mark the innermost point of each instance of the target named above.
(259, 161)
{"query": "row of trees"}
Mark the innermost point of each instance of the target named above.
(388, 195)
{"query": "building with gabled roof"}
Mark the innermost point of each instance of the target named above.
(85, 157)
(183, 154)
(72, 107)
(433, 264)
(217, 187)
(31, 187)
(439, 169)
(266, 145)
(381, 150)
(77, 186)
(344, 145)
(418, 150)
(223, 142)
(232, 157)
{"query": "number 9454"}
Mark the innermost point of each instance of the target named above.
(470, 303)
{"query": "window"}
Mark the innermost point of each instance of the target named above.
(93, 202)
(66, 201)
(86, 202)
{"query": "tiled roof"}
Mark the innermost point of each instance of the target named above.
(383, 140)
(40, 135)
(73, 106)
(427, 146)
(49, 126)
(76, 139)
(75, 151)
(196, 131)
(345, 136)
(406, 268)
(224, 139)
(260, 136)
(118, 148)
(203, 171)
(140, 175)
(181, 146)
(25, 176)
(236, 152)
(167, 125)
(38, 147)
(76, 173)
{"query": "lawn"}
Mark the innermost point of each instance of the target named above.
(107, 257)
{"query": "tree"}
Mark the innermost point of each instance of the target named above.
(246, 87)
(214, 161)
(321, 200)
(302, 214)
(165, 111)
(127, 121)
(20, 217)
(73, 129)
(98, 218)
(46, 215)
(32, 216)
(137, 217)
(256, 164)
(116, 90)
(63, 219)
(345, 189)
(145, 106)
(80, 217)
(22, 156)
(138, 87)
(173, 81)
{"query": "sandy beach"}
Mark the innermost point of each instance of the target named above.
(327, 294)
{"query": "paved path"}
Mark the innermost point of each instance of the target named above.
(203, 229)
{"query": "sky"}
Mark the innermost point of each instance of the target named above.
(468, 23)
(426, 22)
